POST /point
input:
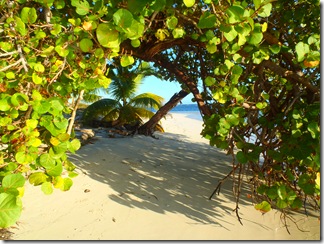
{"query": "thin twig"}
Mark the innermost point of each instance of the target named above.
(8, 53)
(218, 187)
(11, 65)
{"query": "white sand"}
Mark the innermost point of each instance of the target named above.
(140, 188)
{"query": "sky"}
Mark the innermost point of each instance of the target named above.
(163, 88)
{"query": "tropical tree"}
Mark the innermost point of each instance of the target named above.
(252, 67)
(126, 107)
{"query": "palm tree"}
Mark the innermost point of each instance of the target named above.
(125, 107)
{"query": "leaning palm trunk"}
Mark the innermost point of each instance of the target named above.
(150, 126)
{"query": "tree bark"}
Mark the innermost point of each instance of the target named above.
(73, 115)
(148, 128)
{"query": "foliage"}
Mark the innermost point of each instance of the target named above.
(126, 107)
(251, 65)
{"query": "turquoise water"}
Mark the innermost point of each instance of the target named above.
(190, 110)
(185, 107)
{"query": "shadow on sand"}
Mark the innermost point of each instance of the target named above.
(169, 174)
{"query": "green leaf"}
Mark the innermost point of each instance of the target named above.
(56, 170)
(158, 5)
(107, 36)
(86, 45)
(20, 26)
(281, 203)
(172, 22)
(241, 157)
(57, 28)
(265, 11)
(46, 161)
(4, 104)
(36, 79)
(82, 6)
(257, 4)
(282, 192)
(37, 178)
(61, 51)
(314, 129)
(123, 18)
(135, 43)
(263, 207)
(47, 188)
(189, 3)
(275, 48)
(231, 35)
(261, 105)
(21, 157)
(28, 15)
(126, 60)
(209, 81)
(67, 184)
(13, 181)
(10, 209)
(256, 36)
(302, 49)
(178, 32)
(207, 20)
(10, 75)
(235, 13)
(75, 145)
(211, 48)
(39, 68)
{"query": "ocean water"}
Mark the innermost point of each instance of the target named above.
(185, 108)
(190, 110)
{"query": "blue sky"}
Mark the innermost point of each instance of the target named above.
(162, 88)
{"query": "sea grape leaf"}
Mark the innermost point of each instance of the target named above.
(28, 15)
(301, 49)
(207, 20)
(37, 178)
(172, 22)
(263, 207)
(10, 209)
(13, 181)
(241, 157)
(46, 161)
(189, 3)
(178, 32)
(235, 13)
(123, 18)
(126, 60)
(82, 6)
(56, 170)
(67, 184)
(231, 35)
(209, 81)
(265, 11)
(20, 26)
(47, 188)
(107, 36)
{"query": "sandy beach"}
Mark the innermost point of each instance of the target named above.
(141, 188)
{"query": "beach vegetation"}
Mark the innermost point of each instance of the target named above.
(252, 66)
(125, 106)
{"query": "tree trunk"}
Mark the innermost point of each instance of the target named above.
(75, 108)
(148, 128)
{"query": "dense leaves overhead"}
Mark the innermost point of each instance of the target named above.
(252, 67)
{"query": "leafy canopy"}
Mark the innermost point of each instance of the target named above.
(252, 67)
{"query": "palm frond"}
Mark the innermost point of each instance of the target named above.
(147, 100)
(100, 108)
(91, 97)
